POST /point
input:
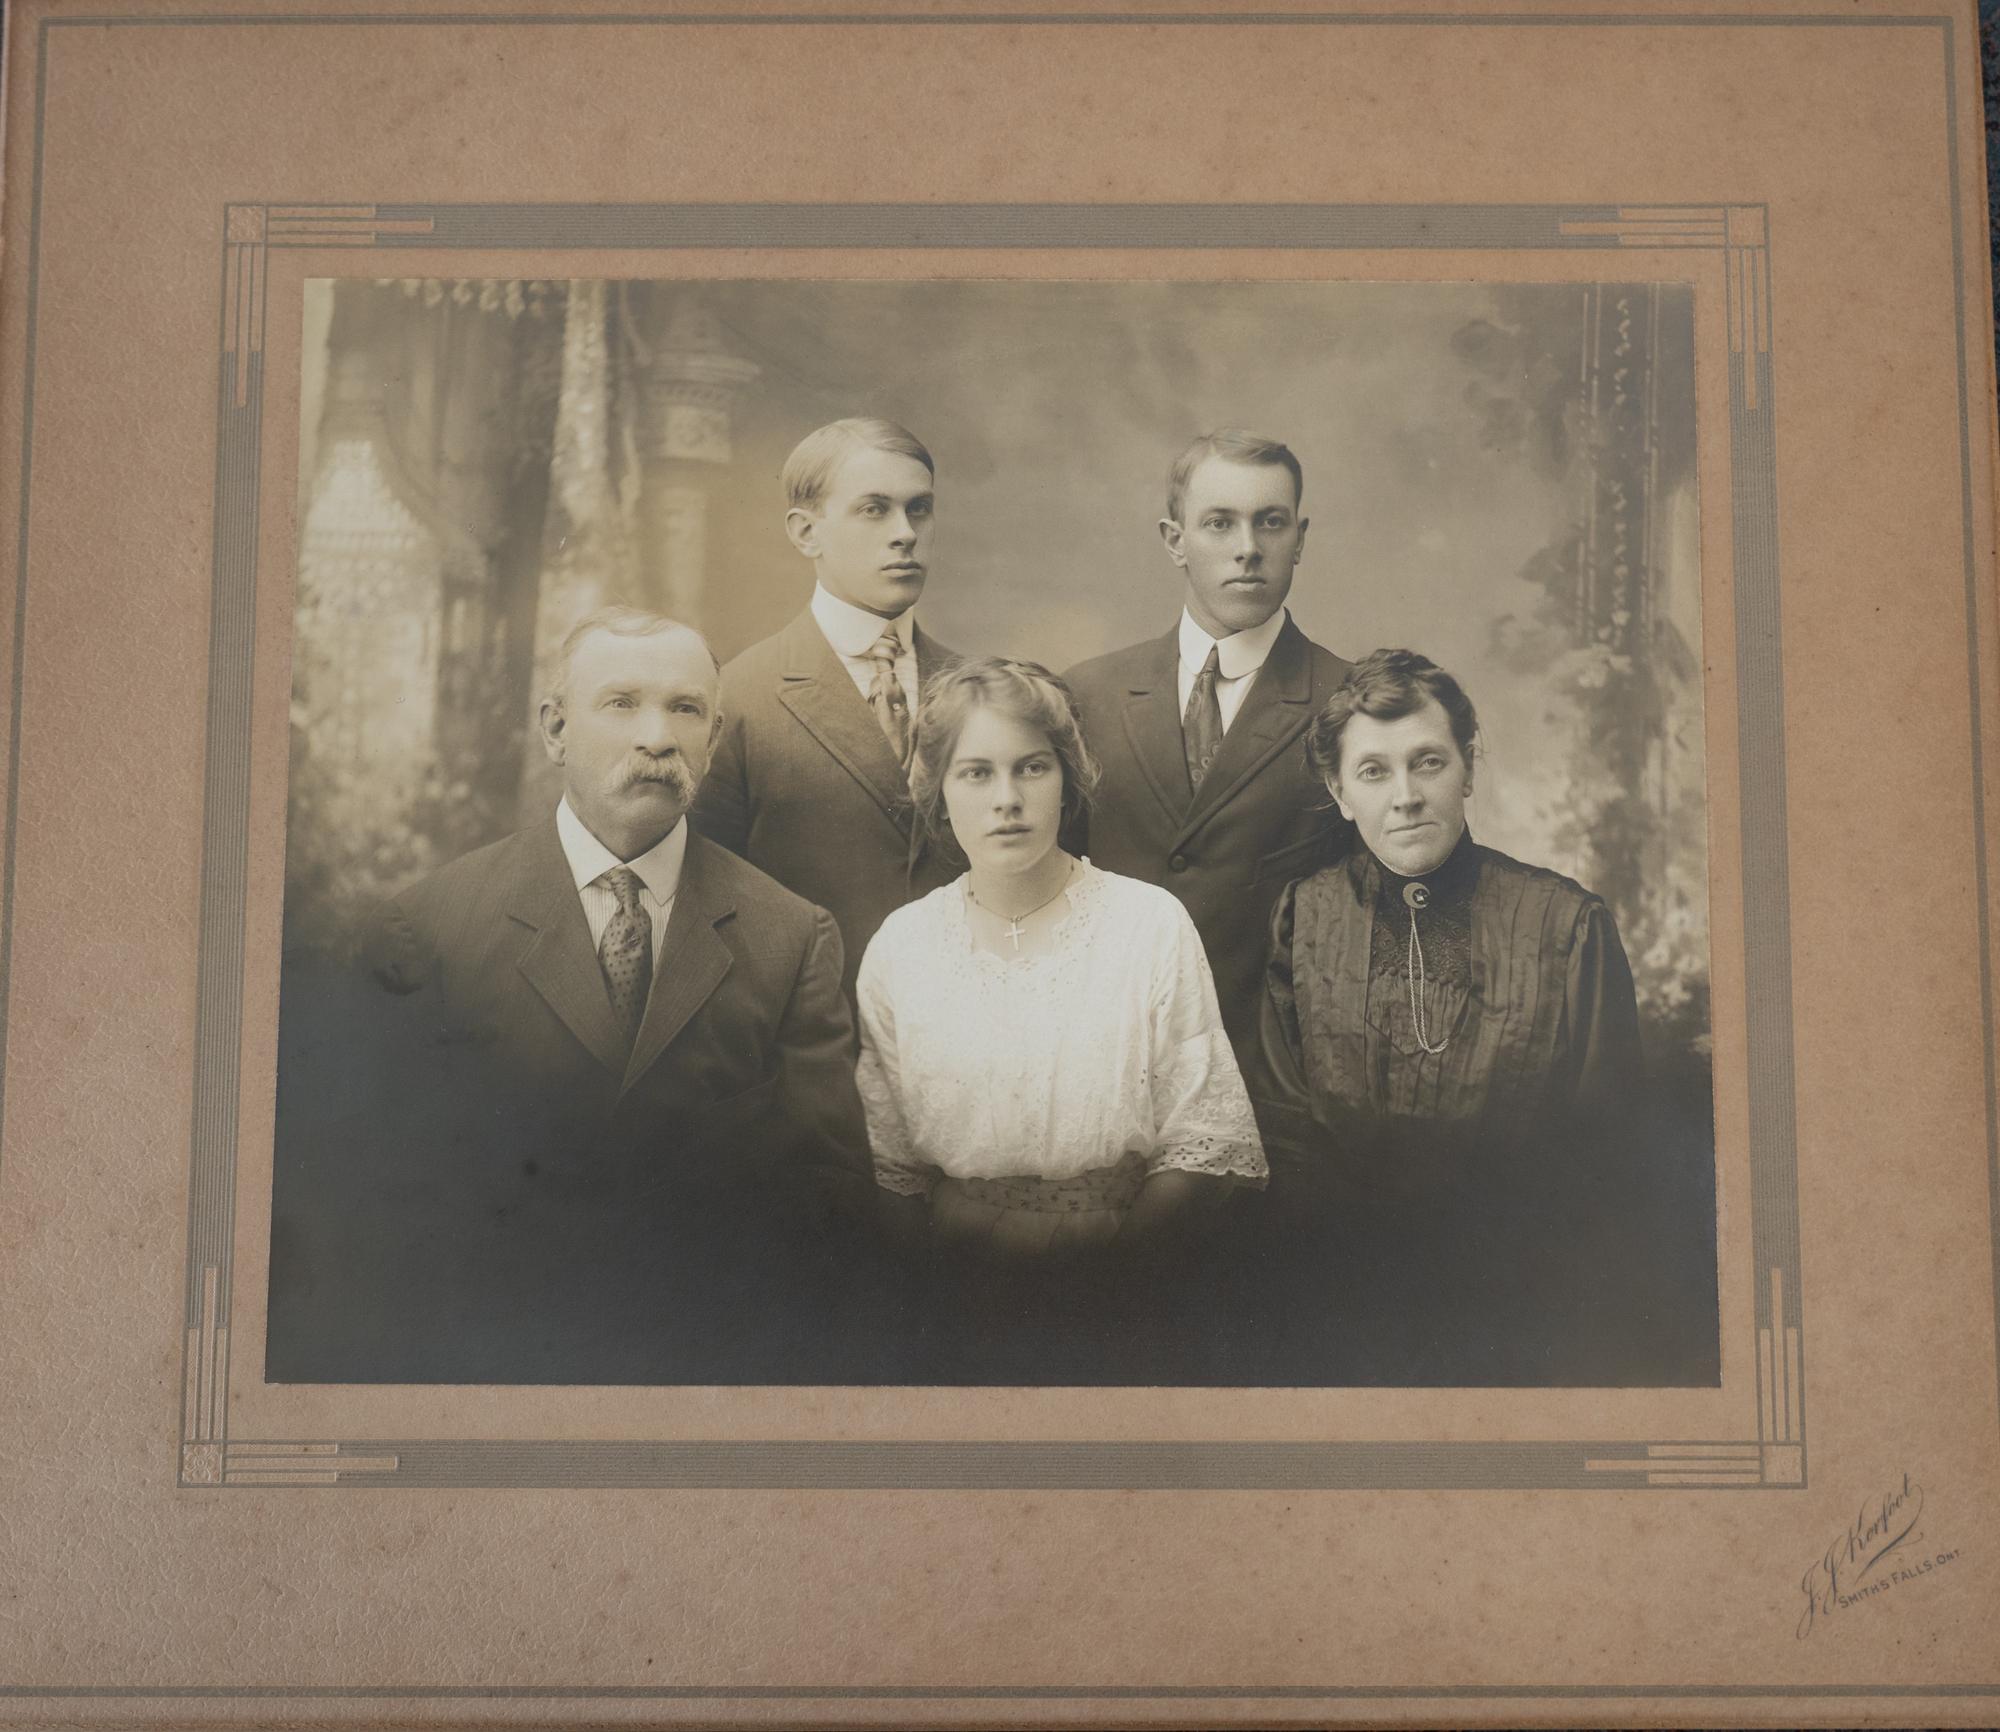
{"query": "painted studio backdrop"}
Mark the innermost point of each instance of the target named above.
(1501, 476)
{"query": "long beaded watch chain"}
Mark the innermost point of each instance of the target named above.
(1417, 896)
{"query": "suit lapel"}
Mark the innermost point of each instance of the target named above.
(1153, 727)
(1275, 711)
(560, 962)
(816, 688)
(693, 960)
(932, 656)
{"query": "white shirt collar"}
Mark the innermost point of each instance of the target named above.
(853, 630)
(659, 868)
(1241, 653)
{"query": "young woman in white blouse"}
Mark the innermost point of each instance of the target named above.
(1042, 1061)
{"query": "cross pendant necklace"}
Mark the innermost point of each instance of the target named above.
(1015, 930)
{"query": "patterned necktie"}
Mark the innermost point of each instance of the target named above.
(886, 697)
(625, 952)
(1201, 727)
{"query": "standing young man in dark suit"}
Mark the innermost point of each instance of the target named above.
(1206, 788)
(607, 1110)
(811, 776)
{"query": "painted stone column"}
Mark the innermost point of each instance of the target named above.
(588, 551)
(692, 386)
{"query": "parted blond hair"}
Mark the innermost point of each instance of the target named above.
(808, 472)
(1232, 445)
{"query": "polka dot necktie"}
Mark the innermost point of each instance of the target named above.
(625, 952)
(1201, 727)
(886, 696)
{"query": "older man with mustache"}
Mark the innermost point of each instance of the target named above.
(622, 1074)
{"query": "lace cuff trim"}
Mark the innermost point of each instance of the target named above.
(1226, 1159)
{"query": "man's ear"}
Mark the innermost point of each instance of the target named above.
(1174, 536)
(802, 530)
(551, 717)
(1305, 523)
(715, 728)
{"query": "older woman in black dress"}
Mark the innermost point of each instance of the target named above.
(1451, 1068)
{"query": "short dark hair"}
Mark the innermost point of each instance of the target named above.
(1387, 684)
(1232, 445)
(808, 472)
(1029, 693)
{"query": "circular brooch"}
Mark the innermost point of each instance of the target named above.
(1417, 895)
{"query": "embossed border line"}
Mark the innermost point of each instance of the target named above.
(1773, 1457)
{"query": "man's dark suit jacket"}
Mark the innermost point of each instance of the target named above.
(477, 1183)
(1260, 820)
(803, 785)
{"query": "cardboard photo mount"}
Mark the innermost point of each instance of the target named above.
(736, 1554)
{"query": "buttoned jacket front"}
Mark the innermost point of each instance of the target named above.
(1259, 820)
(804, 785)
(482, 1180)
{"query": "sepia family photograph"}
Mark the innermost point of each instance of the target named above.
(996, 833)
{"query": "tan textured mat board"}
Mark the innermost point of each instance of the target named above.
(1639, 363)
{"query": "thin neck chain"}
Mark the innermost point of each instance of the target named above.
(1014, 928)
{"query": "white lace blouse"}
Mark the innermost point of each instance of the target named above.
(989, 1067)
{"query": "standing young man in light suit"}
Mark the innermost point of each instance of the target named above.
(810, 779)
(1206, 788)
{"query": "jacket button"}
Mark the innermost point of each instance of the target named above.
(1178, 863)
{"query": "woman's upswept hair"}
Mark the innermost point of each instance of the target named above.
(1388, 684)
(1029, 693)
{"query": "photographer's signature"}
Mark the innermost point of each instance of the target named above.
(1876, 1553)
